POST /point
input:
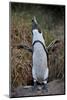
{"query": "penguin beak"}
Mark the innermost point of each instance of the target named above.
(34, 20)
(34, 23)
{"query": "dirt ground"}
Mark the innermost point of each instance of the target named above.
(55, 87)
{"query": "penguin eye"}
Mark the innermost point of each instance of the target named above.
(39, 30)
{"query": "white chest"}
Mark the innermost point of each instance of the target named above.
(39, 69)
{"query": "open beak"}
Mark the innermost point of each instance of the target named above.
(34, 20)
(35, 24)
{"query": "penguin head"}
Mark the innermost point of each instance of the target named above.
(35, 25)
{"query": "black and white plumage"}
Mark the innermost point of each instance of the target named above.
(40, 68)
(39, 57)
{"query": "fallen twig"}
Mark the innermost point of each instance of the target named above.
(52, 44)
(25, 47)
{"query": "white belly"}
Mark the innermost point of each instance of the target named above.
(40, 69)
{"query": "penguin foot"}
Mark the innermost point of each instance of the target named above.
(45, 87)
(35, 86)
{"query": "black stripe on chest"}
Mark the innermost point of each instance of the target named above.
(41, 44)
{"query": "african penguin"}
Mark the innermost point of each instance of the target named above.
(39, 68)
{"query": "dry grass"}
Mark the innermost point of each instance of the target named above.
(21, 60)
(56, 61)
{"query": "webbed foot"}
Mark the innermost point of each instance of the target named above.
(45, 87)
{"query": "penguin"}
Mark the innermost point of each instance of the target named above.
(39, 58)
(40, 69)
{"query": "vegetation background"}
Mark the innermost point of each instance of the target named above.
(51, 19)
